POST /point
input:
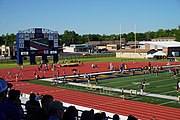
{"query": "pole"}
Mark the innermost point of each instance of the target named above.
(135, 36)
(120, 38)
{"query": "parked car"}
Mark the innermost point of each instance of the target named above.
(85, 54)
(102, 50)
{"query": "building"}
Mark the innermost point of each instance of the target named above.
(110, 45)
(7, 51)
(131, 53)
(163, 39)
(169, 47)
(77, 48)
(132, 45)
(162, 49)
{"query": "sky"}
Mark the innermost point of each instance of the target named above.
(89, 16)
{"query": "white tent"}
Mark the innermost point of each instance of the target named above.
(159, 53)
(149, 56)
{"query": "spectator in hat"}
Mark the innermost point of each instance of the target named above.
(8, 110)
(56, 110)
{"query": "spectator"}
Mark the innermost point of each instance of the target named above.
(56, 110)
(87, 115)
(32, 104)
(103, 115)
(130, 117)
(8, 110)
(14, 98)
(98, 116)
(116, 117)
(71, 113)
(43, 113)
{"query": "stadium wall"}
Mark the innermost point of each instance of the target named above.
(130, 55)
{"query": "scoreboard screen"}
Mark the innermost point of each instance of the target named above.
(38, 43)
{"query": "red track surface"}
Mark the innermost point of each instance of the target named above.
(141, 110)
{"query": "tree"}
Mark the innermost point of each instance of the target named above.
(130, 37)
(69, 37)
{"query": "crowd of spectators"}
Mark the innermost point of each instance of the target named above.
(41, 108)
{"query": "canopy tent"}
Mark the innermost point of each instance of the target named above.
(149, 56)
(159, 53)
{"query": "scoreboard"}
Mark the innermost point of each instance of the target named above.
(37, 41)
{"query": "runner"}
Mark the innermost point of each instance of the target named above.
(58, 73)
(178, 85)
(9, 72)
(141, 89)
(16, 77)
(35, 73)
(96, 80)
(144, 83)
(122, 94)
(64, 75)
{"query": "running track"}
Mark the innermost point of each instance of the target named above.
(141, 110)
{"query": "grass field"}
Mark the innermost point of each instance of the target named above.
(162, 84)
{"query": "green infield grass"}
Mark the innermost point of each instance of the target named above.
(162, 84)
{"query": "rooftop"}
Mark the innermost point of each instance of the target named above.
(163, 44)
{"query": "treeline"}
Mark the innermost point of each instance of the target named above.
(71, 37)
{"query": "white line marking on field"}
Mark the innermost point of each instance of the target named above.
(166, 103)
(168, 92)
(165, 85)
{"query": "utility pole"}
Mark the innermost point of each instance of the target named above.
(135, 36)
(120, 38)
